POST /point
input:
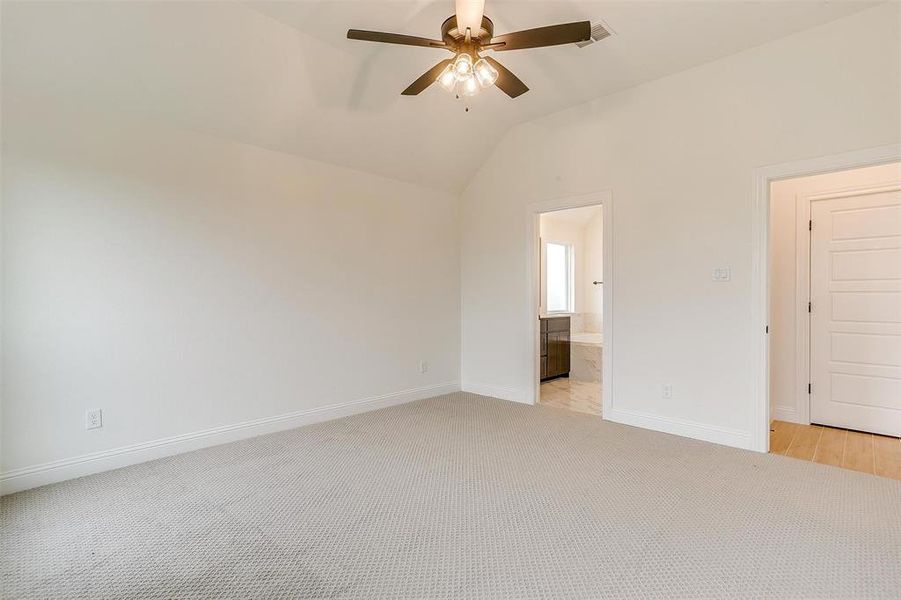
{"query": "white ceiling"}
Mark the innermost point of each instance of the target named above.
(283, 76)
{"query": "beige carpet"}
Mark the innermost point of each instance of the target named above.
(459, 497)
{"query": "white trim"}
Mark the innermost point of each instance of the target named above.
(718, 435)
(496, 391)
(761, 179)
(96, 462)
(603, 198)
(802, 316)
(785, 413)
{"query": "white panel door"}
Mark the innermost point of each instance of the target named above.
(855, 319)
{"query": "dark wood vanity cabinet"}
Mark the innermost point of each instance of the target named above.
(554, 347)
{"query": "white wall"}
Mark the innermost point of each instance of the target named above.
(181, 282)
(678, 155)
(788, 303)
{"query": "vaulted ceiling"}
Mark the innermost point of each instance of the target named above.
(283, 76)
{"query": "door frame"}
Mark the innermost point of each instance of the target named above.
(762, 177)
(604, 199)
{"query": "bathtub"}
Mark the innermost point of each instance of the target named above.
(588, 339)
(585, 356)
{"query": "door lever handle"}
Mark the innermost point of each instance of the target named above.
(597, 282)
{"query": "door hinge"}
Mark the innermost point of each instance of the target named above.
(809, 387)
(809, 307)
(810, 225)
(767, 330)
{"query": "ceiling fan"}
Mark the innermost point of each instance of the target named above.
(467, 34)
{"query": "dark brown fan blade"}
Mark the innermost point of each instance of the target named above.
(427, 79)
(508, 83)
(393, 38)
(553, 35)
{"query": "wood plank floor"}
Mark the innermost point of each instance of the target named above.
(866, 452)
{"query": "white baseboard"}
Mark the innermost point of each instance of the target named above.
(496, 391)
(86, 464)
(782, 413)
(690, 429)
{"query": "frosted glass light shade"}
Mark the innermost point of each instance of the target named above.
(485, 72)
(448, 79)
(469, 86)
(463, 66)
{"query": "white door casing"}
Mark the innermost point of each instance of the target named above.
(762, 177)
(855, 318)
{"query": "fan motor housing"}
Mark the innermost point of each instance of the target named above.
(455, 38)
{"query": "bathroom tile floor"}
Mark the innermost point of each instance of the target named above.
(580, 396)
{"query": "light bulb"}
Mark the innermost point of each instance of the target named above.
(485, 72)
(447, 79)
(463, 66)
(469, 86)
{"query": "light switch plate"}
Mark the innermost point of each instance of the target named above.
(722, 274)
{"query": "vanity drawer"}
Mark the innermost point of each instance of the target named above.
(558, 324)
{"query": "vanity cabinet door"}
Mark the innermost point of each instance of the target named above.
(563, 349)
(553, 355)
(554, 347)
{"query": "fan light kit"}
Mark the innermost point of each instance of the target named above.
(468, 33)
(467, 78)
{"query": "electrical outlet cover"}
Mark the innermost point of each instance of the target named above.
(93, 419)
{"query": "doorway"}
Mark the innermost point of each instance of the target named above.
(835, 318)
(570, 289)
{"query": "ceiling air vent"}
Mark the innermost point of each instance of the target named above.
(599, 31)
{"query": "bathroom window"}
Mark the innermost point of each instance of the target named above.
(559, 270)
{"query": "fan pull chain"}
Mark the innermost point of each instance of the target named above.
(465, 107)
